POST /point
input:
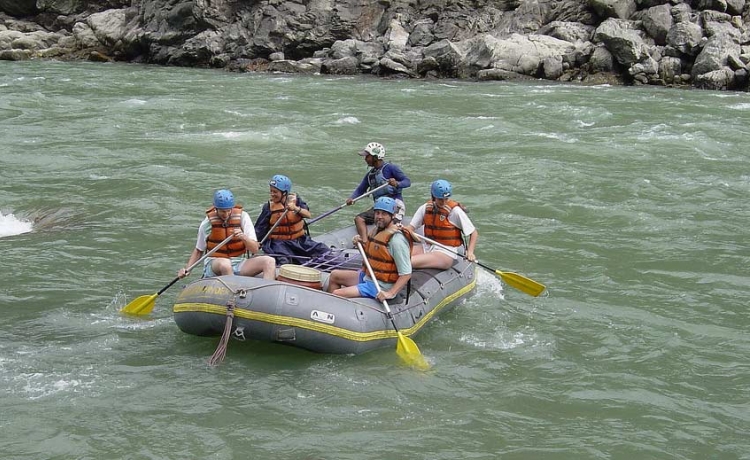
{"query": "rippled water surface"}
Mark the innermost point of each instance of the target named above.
(630, 204)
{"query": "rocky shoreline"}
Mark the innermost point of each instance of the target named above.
(699, 43)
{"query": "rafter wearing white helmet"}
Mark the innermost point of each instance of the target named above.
(375, 149)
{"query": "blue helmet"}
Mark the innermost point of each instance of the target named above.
(385, 203)
(441, 189)
(281, 182)
(223, 199)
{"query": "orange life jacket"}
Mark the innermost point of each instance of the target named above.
(438, 227)
(220, 230)
(291, 227)
(381, 260)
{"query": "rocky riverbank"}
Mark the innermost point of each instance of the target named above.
(700, 43)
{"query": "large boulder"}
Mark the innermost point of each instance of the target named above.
(619, 9)
(19, 8)
(714, 55)
(523, 54)
(657, 21)
(569, 31)
(623, 39)
(111, 26)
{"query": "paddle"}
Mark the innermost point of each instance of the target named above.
(406, 349)
(328, 213)
(515, 280)
(273, 227)
(144, 304)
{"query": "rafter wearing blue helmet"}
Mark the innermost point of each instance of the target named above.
(388, 251)
(223, 199)
(444, 220)
(224, 219)
(380, 173)
(289, 241)
(386, 204)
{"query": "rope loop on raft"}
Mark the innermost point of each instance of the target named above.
(221, 349)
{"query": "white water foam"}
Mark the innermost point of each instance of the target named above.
(740, 106)
(348, 121)
(11, 225)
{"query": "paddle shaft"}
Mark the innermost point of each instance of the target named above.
(406, 349)
(195, 264)
(273, 227)
(328, 213)
(377, 285)
(519, 282)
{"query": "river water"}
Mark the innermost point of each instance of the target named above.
(630, 204)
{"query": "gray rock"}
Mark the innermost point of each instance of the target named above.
(7, 37)
(715, 5)
(343, 66)
(110, 26)
(623, 39)
(620, 9)
(500, 74)
(287, 66)
(552, 67)
(421, 34)
(720, 79)
(84, 36)
(670, 69)
(657, 21)
(19, 8)
(569, 31)
(685, 37)
(714, 55)
(736, 63)
(389, 66)
(15, 55)
(735, 7)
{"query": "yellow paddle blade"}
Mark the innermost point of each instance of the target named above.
(410, 354)
(140, 306)
(521, 283)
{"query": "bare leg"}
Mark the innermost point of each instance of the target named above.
(259, 264)
(342, 278)
(221, 266)
(348, 292)
(432, 259)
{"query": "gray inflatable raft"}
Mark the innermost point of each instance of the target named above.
(300, 314)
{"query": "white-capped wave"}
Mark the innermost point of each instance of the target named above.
(558, 136)
(230, 134)
(237, 113)
(499, 340)
(134, 102)
(11, 225)
(348, 121)
(39, 385)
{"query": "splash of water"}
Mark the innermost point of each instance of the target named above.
(11, 225)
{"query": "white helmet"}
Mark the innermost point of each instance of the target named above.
(374, 149)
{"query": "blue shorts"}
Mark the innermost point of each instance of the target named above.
(208, 273)
(366, 288)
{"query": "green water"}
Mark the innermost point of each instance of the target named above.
(630, 204)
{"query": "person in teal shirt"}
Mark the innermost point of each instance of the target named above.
(388, 252)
